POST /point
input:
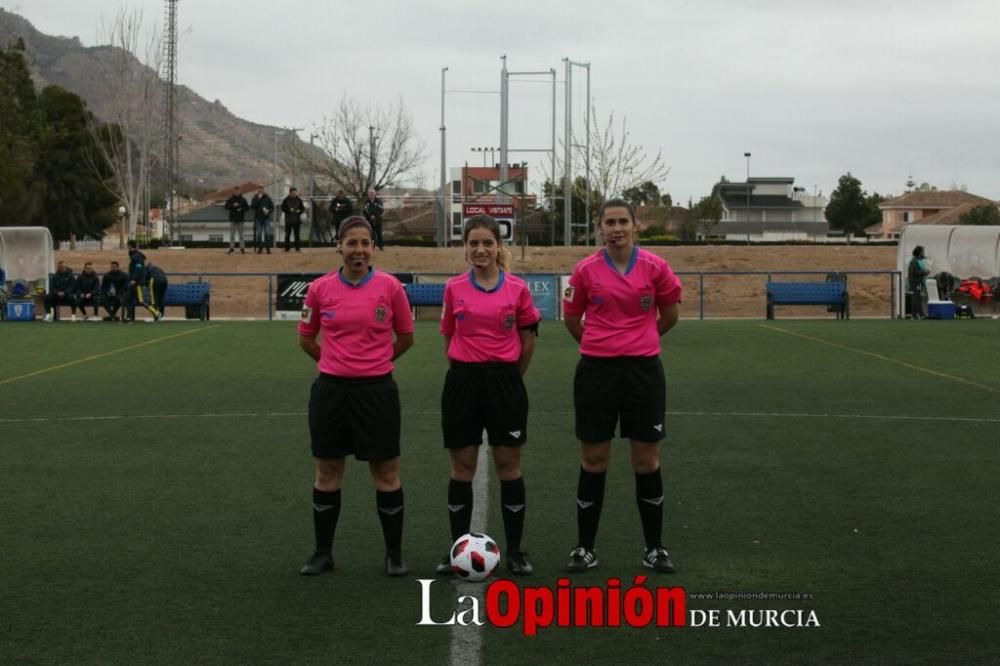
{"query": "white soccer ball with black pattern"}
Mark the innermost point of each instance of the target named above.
(474, 556)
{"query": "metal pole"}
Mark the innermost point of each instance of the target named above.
(747, 217)
(504, 83)
(313, 219)
(442, 231)
(552, 193)
(701, 295)
(270, 302)
(568, 157)
(587, 117)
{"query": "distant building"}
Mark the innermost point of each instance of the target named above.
(774, 211)
(940, 207)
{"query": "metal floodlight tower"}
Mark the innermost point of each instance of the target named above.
(170, 138)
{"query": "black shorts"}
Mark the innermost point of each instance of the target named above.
(484, 396)
(355, 416)
(630, 389)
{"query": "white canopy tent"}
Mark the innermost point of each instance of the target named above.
(26, 254)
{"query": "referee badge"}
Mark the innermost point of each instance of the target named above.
(568, 294)
(508, 322)
(306, 313)
(646, 302)
(380, 313)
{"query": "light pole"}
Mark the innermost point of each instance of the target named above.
(747, 220)
(121, 219)
(442, 230)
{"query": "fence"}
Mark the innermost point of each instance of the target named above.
(707, 294)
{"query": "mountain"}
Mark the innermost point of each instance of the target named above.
(217, 147)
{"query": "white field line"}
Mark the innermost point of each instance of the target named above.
(467, 642)
(283, 415)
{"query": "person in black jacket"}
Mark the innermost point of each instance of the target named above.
(88, 288)
(62, 290)
(237, 206)
(293, 208)
(262, 207)
(114, 285)
(137, 277)
(341, 208)
(373, 213)
(156, 279)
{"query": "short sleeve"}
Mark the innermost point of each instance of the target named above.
(527, 313)
(309, 320)
(668, 286)
(575, 295)
(447, 313)
(402, 318)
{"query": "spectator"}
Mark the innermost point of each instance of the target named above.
(262, 208)
(62, 291)
(113, 288)
(88, 288)
(341, 208)
(237, 206)
(916, 273)
(373, 213)
(293, 208)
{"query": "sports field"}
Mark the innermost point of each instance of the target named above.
(156, 480)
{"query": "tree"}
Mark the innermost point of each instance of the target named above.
(986, 214)
(851, 209)
(124, 145)
(20, 124)
(702, 216)
(74, 201)
(616, 164)
(578, 213)
(646, 194)
(364, 147)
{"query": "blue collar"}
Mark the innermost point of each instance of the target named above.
(631, 261)
(472, 279)
(365, 280)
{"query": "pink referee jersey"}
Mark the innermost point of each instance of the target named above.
(357, 322)
(620, 309)
(484, 323)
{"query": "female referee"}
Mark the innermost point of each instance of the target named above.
(354, 405)
(630, 298)
(489, 325)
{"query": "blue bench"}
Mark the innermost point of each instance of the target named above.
(424, 293)
(194, 296)
(832, 294)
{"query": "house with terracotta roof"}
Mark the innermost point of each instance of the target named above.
(936, 207)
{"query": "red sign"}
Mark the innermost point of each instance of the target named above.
(499, 211)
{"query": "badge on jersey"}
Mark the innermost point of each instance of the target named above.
(307, 313)
(569, 293)
(508, 322)
(380, 313)
(646, 302)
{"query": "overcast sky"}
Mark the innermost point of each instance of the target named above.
(812, 89)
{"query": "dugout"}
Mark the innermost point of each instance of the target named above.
(26, 254)
(965, 251)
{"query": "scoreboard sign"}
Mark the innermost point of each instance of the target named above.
(502, 213)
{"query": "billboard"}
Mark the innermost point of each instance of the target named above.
(502, 213)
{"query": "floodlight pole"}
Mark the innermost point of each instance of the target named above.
(504, 90)
(442, 227)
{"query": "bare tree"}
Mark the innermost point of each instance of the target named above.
(132, 110)
(616, 164)
(363, 147)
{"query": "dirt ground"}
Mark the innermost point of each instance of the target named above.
(724, 296)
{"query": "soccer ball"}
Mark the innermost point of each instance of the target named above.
(474, 556)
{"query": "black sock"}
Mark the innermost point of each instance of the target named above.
(459, 507)
(390, 513)
(326, 511)
(649, 497)
(589, 498)
(512, 500)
